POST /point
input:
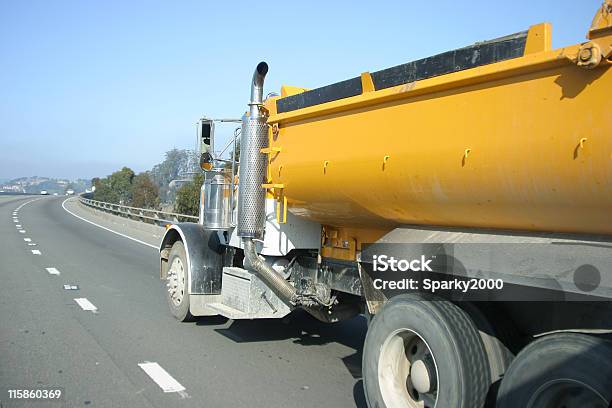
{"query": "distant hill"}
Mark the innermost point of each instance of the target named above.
(35, 184)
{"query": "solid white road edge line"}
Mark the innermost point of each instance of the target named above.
(86, 304)
(161, 377)
(53, 271)
(104, 228)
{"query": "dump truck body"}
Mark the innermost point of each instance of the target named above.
(520, 144)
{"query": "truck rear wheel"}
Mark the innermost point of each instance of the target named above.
(560, 370)
(424, 352)
(495, 339)
(177, 283)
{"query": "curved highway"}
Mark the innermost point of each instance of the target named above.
(118, 345)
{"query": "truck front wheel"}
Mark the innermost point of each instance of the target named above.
(424, 352)
(177, 283)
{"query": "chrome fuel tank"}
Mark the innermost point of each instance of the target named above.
(216, 199)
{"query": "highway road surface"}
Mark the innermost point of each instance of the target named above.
(117, 345)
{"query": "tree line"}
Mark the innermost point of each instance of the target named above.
(126, 188)
(152, 189)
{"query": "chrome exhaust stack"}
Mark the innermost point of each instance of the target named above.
(253, 164)
(251, 194)
(257, 89)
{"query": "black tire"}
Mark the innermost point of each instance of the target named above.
(553, 360)
(181, 310)
(453, 340)
(498, 354)
(495, 339)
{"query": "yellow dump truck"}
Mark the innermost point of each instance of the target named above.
(462, 202)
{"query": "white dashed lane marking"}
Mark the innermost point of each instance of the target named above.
(22, 231)
(27, 239)
(36, 252)
(161, 377)
(53, 271)
(86, 304)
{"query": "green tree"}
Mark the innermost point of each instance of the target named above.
(121, 183)
(188, 196)
(116, 188)
(145, 194)
(104, 192)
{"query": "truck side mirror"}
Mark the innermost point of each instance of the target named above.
(206, 131)
(206, 161)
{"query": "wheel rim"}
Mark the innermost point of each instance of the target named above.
(407, 371)
(176, 281)
(566, 393)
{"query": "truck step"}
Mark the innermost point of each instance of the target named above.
(245, 296)
(227, 311)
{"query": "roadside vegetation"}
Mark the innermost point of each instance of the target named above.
(158, 188)
(126, 188)
(172, 185)
(188, 196)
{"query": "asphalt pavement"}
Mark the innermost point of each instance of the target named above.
(118, 345)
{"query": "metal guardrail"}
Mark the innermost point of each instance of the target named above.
(138, 214)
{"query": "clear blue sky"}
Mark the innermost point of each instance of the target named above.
(89, 86)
